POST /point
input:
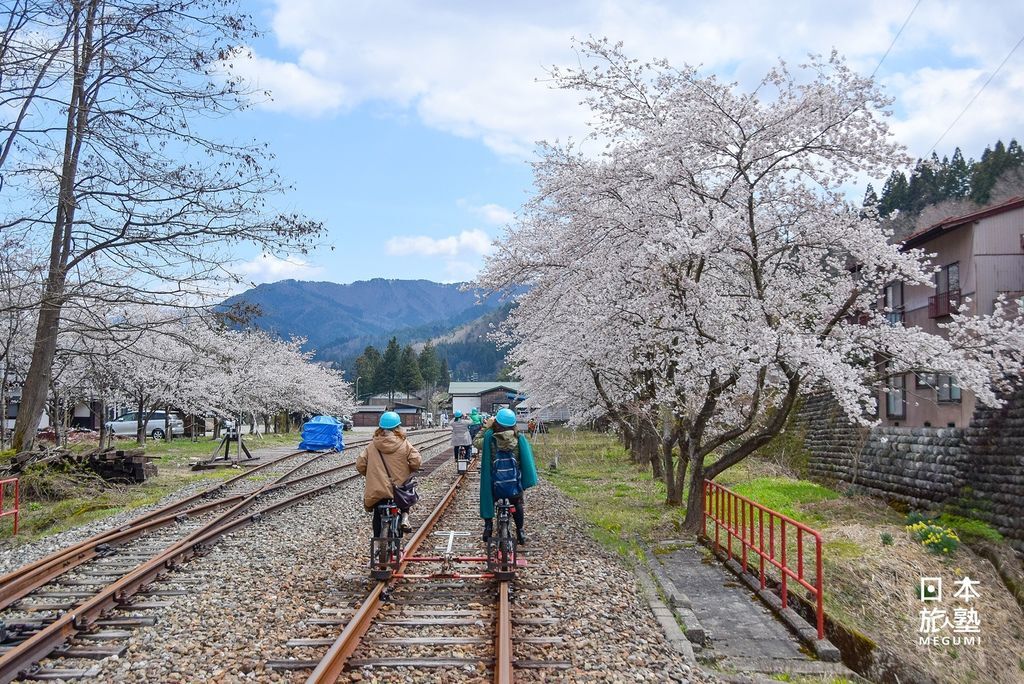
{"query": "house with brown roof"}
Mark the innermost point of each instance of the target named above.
(978, 256)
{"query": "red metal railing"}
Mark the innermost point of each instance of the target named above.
(16, 511)
(739, 518)
(943, 303)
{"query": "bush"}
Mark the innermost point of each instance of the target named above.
(886, 539)
(935, 538)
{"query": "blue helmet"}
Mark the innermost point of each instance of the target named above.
(458, 414)
(389, 420)
(506, 417)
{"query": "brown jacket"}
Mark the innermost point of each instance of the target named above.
(402, 457)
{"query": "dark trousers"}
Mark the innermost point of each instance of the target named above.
(463, 450)
(518, 515)
(378, 523)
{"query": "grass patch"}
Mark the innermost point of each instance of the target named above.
(620, 499)
(969, 529)
(787, 496)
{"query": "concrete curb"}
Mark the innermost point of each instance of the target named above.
(679, 602)
(824, 649)
(665, 618)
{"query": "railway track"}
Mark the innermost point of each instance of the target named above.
(442, 615)
(86, 589)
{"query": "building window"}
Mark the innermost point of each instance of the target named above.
(946, 388)
(896, 397)
(948, 279)
(894, 303)
(947, 291)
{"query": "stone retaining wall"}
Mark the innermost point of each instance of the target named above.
(978, 471)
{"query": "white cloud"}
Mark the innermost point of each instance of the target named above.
(268, 268)
(467, 242)
(494, 214)
(461, 254)
(472, 69)
(287, 87)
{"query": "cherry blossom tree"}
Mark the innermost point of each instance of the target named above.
(707, 265)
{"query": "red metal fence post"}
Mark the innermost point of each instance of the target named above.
(736, 514)
(16, 511)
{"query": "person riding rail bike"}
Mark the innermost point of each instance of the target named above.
(461, 439)
(507, 469)
(387, 461)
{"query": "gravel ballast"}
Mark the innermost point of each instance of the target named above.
(265, 584)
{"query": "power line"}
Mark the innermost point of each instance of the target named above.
(896, 37)
(980, 90)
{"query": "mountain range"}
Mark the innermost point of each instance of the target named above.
(339, 321)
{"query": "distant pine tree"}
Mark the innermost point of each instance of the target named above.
(995, 161)
(430, 365)
(386, 378)
(894, 194)
(409, 378)
(934, 181)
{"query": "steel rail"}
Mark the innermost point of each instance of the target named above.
(12, 584)
(503, 638)
(19, 583)
(17, 660)
(332, 664)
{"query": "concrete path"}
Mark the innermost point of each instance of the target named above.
(742, 636)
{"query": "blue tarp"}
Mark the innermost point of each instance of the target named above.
(322, 432)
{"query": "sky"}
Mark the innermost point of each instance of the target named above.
(408, 128)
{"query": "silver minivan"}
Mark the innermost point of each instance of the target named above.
(127, 425)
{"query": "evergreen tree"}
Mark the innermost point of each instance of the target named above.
(386, 377)
(430, 365)
(366, 368)
(994, 162)
(870, 197)
(409, 377)
(957, 181)
(894, 194)
(444, 376)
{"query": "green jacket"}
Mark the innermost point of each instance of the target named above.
(527, 470)
(476, 418)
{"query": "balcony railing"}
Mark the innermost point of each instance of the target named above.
(943, 303)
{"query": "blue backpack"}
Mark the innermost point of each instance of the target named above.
(505, 476)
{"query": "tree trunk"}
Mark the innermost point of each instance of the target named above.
(140, 424)
(694, 520)
(649, 440)
(3, 407)
(673, 488)
(37, 382)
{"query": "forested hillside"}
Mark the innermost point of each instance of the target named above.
(937, 188)
(340, 321)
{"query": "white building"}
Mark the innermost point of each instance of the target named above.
(486, 397)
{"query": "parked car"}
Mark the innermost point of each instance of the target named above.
(346, 422)
(127, 425)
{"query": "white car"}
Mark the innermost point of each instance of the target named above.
(127, 425)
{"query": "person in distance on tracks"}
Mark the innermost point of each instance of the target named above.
(500, 446)
(475, 423)
(387, 461)
(461, 440)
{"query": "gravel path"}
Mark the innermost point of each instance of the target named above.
(271, 582)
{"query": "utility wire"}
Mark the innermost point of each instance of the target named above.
(896, 37)
(980, 90)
